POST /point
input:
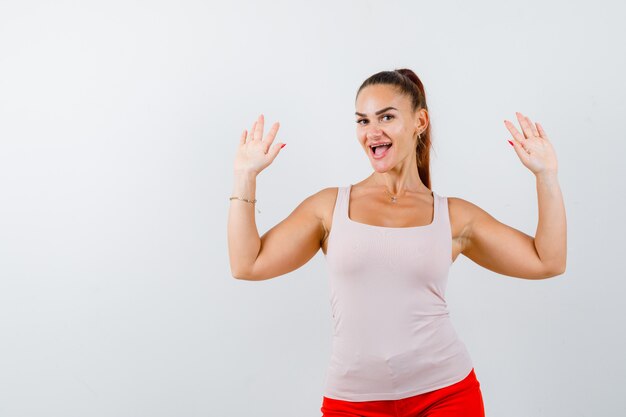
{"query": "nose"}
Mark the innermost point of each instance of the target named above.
(374, 132)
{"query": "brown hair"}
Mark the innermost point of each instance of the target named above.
(407, 82)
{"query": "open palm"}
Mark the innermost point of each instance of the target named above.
(533, 147)
(255, 153)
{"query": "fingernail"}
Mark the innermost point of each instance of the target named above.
(282, 146)
(511, 143)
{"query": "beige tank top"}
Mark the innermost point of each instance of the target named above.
(392, 334)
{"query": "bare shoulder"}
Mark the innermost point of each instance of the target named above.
(292, 242)
(465, 216)
(462, 214)
(323, 203)
(320, 200)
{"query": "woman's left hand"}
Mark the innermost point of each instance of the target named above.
(533, 148)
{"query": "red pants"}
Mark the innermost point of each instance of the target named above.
(462, 399)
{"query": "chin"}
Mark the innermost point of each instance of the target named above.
(380, 169)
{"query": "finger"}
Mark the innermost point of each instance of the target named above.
(542, 132)
(522, 152)
(270, 137)
(275, 150)
(258, 133)
(516, 134)
(242, 139)
(532, 127)
(251, 132)
(272, 133)
(520, 149)
(524, 124)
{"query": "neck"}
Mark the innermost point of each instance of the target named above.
(399, 186)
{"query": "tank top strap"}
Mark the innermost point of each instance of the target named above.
(438, 209)
(442, 210)
(345, 201)
(341, 204)
(444, 226)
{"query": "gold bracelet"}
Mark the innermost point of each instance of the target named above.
(246, 200)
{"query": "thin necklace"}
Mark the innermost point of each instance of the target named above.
(394, 199)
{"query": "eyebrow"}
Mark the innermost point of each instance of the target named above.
(378, 112)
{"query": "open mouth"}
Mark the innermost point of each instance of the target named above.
(379, 151)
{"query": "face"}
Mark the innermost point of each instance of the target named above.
(395, 123)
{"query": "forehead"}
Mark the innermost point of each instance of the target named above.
(376, 97)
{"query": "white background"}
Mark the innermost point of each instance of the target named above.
(119, 122)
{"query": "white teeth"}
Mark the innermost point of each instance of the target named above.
(380, 144)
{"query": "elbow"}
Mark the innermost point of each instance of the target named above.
(238, 274)
(241, 270)
(561, 269)
(241, 277)
(248, 274)
(556, 271)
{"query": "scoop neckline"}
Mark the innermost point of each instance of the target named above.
(435, 206)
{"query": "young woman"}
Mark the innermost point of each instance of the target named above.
(389, 241)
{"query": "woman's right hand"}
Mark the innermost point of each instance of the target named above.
(255, 153)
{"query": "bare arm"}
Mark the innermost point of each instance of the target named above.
(287, 245)
(508, 251)
(243, 238)
(282, 249)
(551, 235)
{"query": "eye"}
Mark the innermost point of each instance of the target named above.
(384, 115)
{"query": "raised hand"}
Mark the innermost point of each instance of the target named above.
(255, 153)
(533, 148)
